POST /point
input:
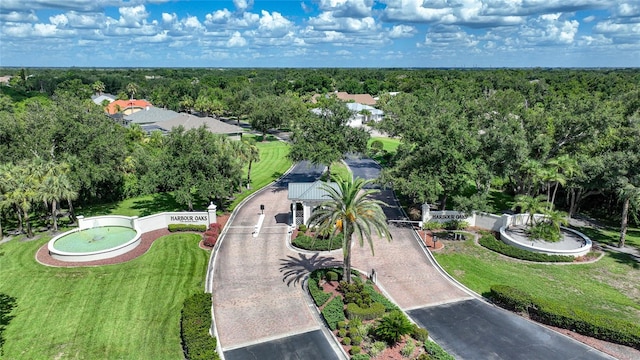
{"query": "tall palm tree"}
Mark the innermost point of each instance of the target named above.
(630, 196)
(350, 210)
(132, 88)
(530, 205)
(253, 155)
(98, 87)
(55, 186)
(568, 168)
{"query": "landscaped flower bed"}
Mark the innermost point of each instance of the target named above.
(304, 238)
(366, 323)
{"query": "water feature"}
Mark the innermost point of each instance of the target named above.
(102, 238)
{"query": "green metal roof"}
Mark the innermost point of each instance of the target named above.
(309, 191)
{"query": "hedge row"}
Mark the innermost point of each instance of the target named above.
(187, 227)
(319, 297)
(374, 311)
(555, 314)
(436, 352)
(194, 328)
(333, 312)
(379, 298)
(210, 237)
(490, 242)
(317, 244)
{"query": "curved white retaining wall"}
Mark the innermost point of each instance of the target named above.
(98, 221)
(522, 219)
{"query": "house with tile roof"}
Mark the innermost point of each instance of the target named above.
(127, 106)
(364, 99)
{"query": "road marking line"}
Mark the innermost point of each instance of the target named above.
(256, 229)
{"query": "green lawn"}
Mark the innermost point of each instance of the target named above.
(125, 311)
(273, 164)
(390, 144)
(609, 286)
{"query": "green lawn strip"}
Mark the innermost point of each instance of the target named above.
(390, 144)
(608, 286)
(273, 164)
(125, 311)
(611, 236)
(339, 168)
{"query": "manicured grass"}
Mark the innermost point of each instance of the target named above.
(390, 144)
(125, 311)
(338, 168)
(608, 286)
(273, 164)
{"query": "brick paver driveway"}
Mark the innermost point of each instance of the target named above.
(257, 281)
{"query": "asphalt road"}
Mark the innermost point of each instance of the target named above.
(473, 329)
(311, 345)
(467, 329)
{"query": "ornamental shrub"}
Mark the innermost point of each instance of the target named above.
(187, 227)
(456, 225)
(432, 225)
(377, 347)
(346, 340)
(419, 333)
(210, 237)
(314, 243)
(490, 242)
(354, 293)
(510, 298)
(392, 327)
(356, 340)
(360, 356)
(436, 352)
(355, 350)
(379, 298)
(302, 227)
(408, 348)
(342, 324)
(342, 333)
(333, 312)
(331, 276)
(319, 297)
(195, 322)
(372, 312)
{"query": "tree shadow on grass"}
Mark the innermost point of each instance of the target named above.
(160, 202)
(626, 259)
(295, 268)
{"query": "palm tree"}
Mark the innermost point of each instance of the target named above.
(567, 167)
(253, 155)
(350, 210)
(630, 196)
(132, 89)
(530, 205)
(98, 87)
(55, 186)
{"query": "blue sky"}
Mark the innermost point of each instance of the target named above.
(320, 33)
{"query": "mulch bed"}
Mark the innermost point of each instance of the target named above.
(147, 239)
(428, 240)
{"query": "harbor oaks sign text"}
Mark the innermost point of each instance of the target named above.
(200, 218)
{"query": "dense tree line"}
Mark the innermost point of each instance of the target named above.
(568, 134)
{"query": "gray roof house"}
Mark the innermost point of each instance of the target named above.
(305, 197)
(163, 120)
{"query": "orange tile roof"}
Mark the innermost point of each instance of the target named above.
(364, 99)
(113, 107)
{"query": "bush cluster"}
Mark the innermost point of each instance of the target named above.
(333, 312)
(436, 352)
(360, 357)
(317, 243)
(432, 225)
(456, 225)
(379, 298)
(187, 227)
(557, 314)
(490, 242)
(195, 322)
(319, 297)
(371, 312)
(210, 237)
(353, 293)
